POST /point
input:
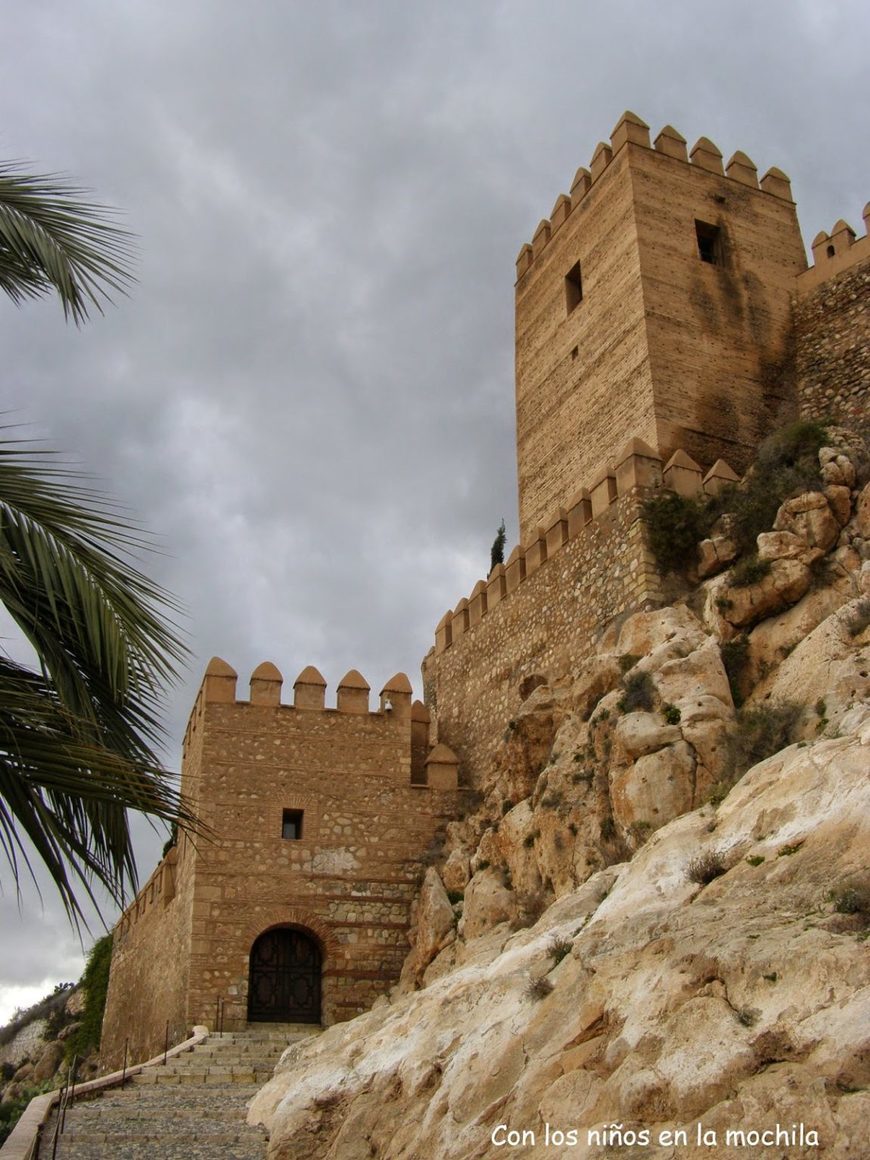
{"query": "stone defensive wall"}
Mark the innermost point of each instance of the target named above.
(148, 979)
(541, 612)
(831, 307)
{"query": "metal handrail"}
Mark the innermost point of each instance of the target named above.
(25, 1136)
(219, 1015)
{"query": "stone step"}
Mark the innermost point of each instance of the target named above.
(128, 1135)
(202, 1062)
(191, 1108)
(209, 1076)
(105, 1118)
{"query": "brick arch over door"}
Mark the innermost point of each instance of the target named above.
(278, 915)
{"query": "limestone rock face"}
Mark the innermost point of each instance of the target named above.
(786, 546)
(828, 672)
(646, 631)
(840, 502)
(740, 1003)
(862, 513)
(456, 870)
(836, 468)
(655, 788)
(48, 1062)
(642, 733)
(433, 926)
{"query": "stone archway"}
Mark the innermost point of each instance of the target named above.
(284, 977)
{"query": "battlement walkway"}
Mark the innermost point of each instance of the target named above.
(193, 1108)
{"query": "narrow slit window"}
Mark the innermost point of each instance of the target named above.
(709, 243)
(291, 824)
(573, 288)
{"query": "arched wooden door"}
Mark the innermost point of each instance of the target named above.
(284, 978)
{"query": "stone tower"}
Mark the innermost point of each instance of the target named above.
(652, 303)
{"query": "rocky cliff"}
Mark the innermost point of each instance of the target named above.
(648, 940)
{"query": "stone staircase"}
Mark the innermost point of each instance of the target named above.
(191, 1109)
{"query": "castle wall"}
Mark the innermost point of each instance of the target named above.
(547, 625)
(147, 983)
(350, 879)
(831, 310)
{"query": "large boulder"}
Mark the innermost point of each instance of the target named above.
(654, 789)
(810, 517)
(745, 604)
(488, 903)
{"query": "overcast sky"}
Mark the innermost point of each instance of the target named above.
(308, 394)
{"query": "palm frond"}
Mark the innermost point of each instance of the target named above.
(77, 738)
(52, 239)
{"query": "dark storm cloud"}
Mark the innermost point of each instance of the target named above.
(308, 395)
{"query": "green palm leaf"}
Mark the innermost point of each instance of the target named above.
(77, 738)
(53, 240)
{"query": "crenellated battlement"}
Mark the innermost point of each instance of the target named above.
(834, 253)
(309, 692)
(637, 472)
(669, 143)
(159, 890)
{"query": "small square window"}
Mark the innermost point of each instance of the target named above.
(291, 824)
(573, 288)
(709, 243)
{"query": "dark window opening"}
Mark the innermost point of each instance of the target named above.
(709, 243)
(291, 824)
(573, 288)
(831, 251)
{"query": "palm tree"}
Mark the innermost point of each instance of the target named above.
(78, 731)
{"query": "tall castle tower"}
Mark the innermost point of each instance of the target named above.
(654, 303)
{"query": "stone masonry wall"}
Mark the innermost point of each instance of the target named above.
(352, 876)
(147, 983)
(661, 344)
(832, 351)
(547, 626)
(348, 881)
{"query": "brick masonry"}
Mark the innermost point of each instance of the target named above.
(664, 346)
(348, 881)
(830, 319)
